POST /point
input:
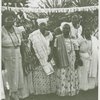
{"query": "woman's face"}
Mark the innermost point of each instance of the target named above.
(29, 28)
(9, 22)
(66, 30)
(75, 20)
(42, 26)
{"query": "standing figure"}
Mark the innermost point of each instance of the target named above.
(43, 76)
(11, 56)
(89, 55)
(76, 28)
(67, 76)
(28, 59)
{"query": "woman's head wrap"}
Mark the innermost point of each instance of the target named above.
(42, 20)
(62, 25)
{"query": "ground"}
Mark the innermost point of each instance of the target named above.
(87, 95)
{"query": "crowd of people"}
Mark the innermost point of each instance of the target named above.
(37, 61)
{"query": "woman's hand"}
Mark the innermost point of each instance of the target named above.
(49, 57)
(78, 62)
(27, 69)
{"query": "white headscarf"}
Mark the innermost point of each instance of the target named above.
(62, 25)
(42, 20)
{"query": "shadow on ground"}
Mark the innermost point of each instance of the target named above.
(83, 95)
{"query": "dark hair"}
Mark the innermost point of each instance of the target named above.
(7, 13)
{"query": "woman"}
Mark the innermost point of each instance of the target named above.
(28, 59)
(89, 56)
(43, 77)
(11, 41)
(76, 28)
(67, 76)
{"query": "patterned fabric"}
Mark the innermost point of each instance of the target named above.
(43, 83)
(28, 63)
(41, 46)
(29, 59)
(67, 78)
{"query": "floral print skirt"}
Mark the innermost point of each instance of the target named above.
(43, 84)
(67, 82)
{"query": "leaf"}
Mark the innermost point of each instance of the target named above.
(49, 5)
(40, 6)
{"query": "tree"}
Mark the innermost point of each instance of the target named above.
(66, 3)
(57, 18)
(14, 3)
(55, 3)
(81, 3)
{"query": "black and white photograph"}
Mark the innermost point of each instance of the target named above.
(49, 50)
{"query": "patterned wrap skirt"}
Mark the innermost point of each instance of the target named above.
(43, 83)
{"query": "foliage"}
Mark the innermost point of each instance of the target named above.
(66, 3)
(81, 3)
(89, 19)
(24, 2)
(55, 3)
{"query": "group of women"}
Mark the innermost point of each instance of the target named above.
(43, 62)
